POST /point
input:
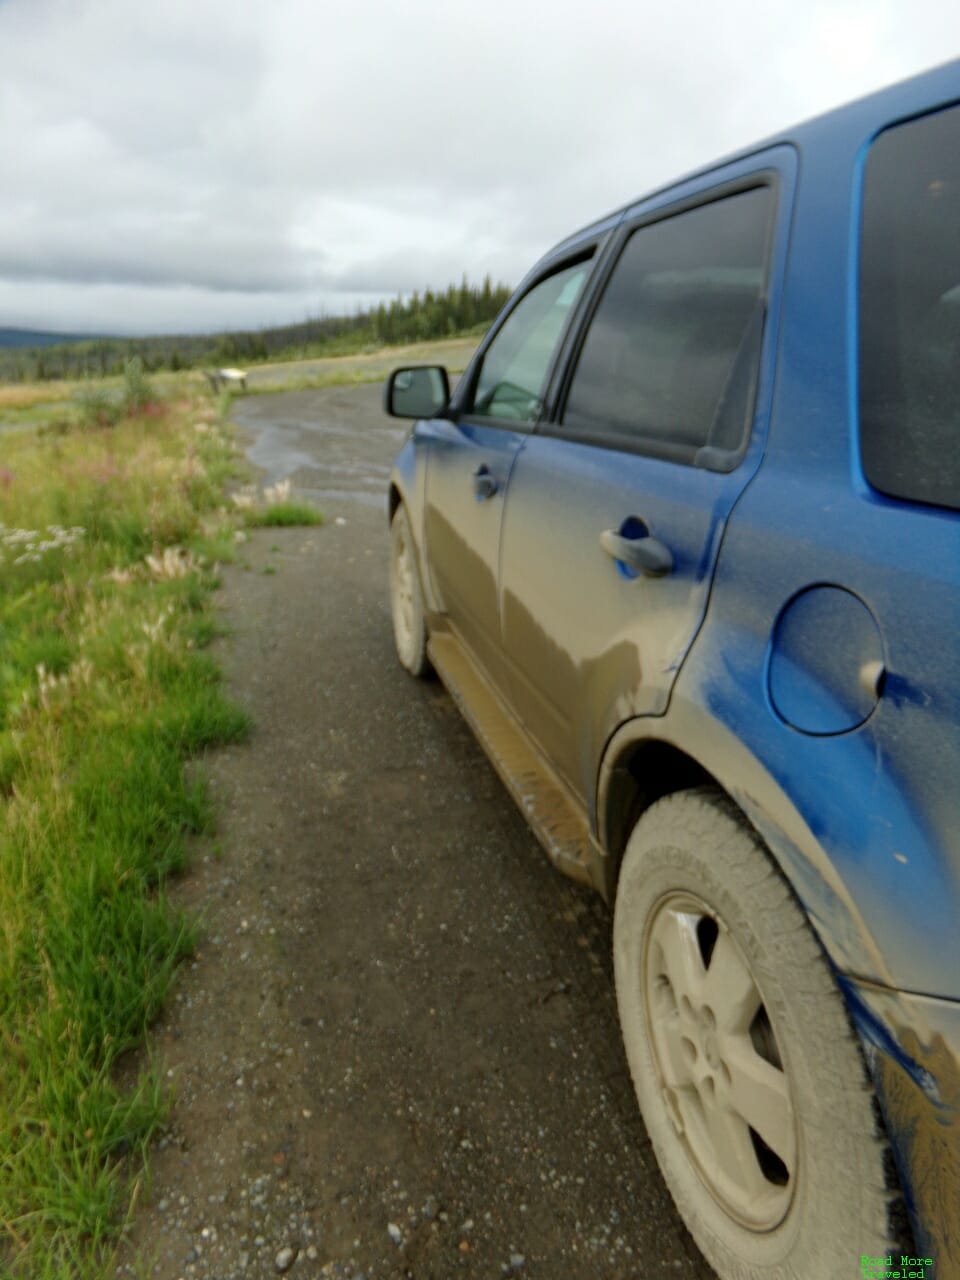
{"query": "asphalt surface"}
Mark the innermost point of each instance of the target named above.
(397, 1051)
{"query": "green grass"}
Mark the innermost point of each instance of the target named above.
(108, 553)
(278, 515)
(357, 367)
(283, 381)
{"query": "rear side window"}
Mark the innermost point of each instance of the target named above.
(910, 311)
(669, 362)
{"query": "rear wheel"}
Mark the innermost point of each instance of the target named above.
(406, 597)
(749, 1076)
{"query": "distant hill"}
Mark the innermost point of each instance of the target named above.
(27, 356)
(39, 338)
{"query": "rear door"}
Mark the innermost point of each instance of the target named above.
(471, 456)
(616, 507)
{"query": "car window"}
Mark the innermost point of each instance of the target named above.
(669, 362)
(910, 311)
(515, 366)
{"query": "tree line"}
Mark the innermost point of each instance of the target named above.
(460, 309)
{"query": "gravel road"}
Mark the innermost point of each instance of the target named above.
(396, 1052)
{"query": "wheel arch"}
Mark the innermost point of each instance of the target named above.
(407, 483)
(651, 757)
(644, 770)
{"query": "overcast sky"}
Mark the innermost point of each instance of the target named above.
(172, 165)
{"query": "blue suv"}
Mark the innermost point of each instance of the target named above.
(683, 545)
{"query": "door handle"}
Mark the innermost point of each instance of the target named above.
(647, 555)
(484, 483)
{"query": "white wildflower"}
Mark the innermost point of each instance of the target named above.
(176, 562)
(33, 547)
(82, 671)
(245, 498)
(47, 684)
(279, 492)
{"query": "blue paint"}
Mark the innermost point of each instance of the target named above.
(878, 1034)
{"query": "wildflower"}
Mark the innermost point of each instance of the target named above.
(246, 498)
(82, 671)
(152, 630)
(33, 546)
(134, 655)
(176, 562)
(187, 469)
(47, 685)
(279, 492)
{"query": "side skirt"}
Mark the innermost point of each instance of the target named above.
(558, 821)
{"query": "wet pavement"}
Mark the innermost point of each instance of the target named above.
(334, 445)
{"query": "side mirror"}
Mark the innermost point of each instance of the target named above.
(419, 391)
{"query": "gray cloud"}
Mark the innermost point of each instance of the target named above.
(207, 255)
(236, 159)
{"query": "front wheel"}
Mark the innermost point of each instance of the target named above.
(750, 1079)
(406, 597)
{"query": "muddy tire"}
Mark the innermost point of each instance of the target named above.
(748, 1073)
(406, 597)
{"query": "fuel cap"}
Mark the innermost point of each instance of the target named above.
(826, 668)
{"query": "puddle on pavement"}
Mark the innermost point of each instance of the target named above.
(273, 454)
(323, 459)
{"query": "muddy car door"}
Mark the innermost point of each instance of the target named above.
(472, 452)
(618, 504)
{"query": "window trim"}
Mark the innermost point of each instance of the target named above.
(590, 253)
(721, 460)
(866, 475)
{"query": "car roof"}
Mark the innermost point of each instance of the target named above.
(867, 115)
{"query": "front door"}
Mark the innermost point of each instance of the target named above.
(470, 459)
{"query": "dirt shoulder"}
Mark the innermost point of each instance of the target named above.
(396, 1052)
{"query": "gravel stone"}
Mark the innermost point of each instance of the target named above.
(285, 1259)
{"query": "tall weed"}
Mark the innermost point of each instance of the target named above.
(137, 390)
